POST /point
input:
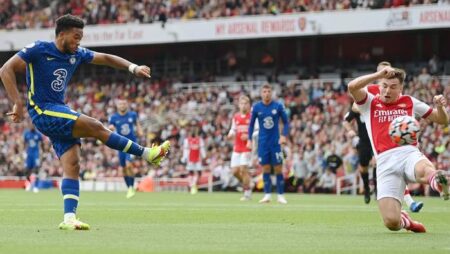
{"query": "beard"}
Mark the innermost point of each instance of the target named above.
(67, 48)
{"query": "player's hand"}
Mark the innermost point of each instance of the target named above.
(230, 136)
(244, 137)
(143, 71)
(249, 144)
(16, 114)
(282, 140)
(440, 101)
(387, 72)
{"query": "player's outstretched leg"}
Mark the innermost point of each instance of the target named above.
(86, 126)
(154, 155)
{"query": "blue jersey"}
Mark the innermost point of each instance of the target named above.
(49, 71)
(32, 140)
(268, 118)
(124, 124)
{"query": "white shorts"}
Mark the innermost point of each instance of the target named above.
(396, 168)
(194, 166)
(240, 159)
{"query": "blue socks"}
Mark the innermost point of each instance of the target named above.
(280, 184)
(267, 183)
(120, 143)
(71, 192)
(129, 181)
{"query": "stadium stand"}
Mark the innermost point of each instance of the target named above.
(41, 14)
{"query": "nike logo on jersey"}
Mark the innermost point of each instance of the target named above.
(50, 58)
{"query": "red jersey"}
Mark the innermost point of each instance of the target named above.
(378, 115)
(239, 127)
(193, 149)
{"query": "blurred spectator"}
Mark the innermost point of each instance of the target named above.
(327, 182)
(433, 65)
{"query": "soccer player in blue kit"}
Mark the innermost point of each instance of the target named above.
(268, 113)
(32, 139)
(124, 122)
(49, 67)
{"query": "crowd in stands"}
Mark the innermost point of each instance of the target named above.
(316, 137)
(25, 14)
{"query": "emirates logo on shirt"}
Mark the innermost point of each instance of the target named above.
(388, 115)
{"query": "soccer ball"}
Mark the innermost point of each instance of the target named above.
(404, 130)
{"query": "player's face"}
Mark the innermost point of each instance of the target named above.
(122, 106)
(244, 106)
(390, 90)
(266, 95)
(71, 39)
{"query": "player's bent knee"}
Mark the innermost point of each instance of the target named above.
(392, 223)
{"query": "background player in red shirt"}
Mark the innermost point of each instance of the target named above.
(241, 156)
(193, 154)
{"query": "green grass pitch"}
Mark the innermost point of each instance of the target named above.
(213, 223)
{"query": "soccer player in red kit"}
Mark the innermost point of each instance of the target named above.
(397, 165)
(193, 154)
(365, 149)
(241, 156)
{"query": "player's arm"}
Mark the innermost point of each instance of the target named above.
(285, 121)
(185, 151)
(348, 118)
(118, 62)
(356, 86)
(25, 143)
(8, 77)
(439, 114)
(111, 125)
(139, 129)
(232, 131)
(251, 128)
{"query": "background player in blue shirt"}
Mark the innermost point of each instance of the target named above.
(124, 122)
(268, 113)
(33, 140)
(49, 67)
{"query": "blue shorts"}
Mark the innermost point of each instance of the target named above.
(32, 161)
(270, 155)
(56, 121)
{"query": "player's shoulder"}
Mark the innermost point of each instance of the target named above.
(82, 50)
(36, 45)
(257, 105)
(406, 99)
(278, 104)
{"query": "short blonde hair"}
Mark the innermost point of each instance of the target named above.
(244, 98)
